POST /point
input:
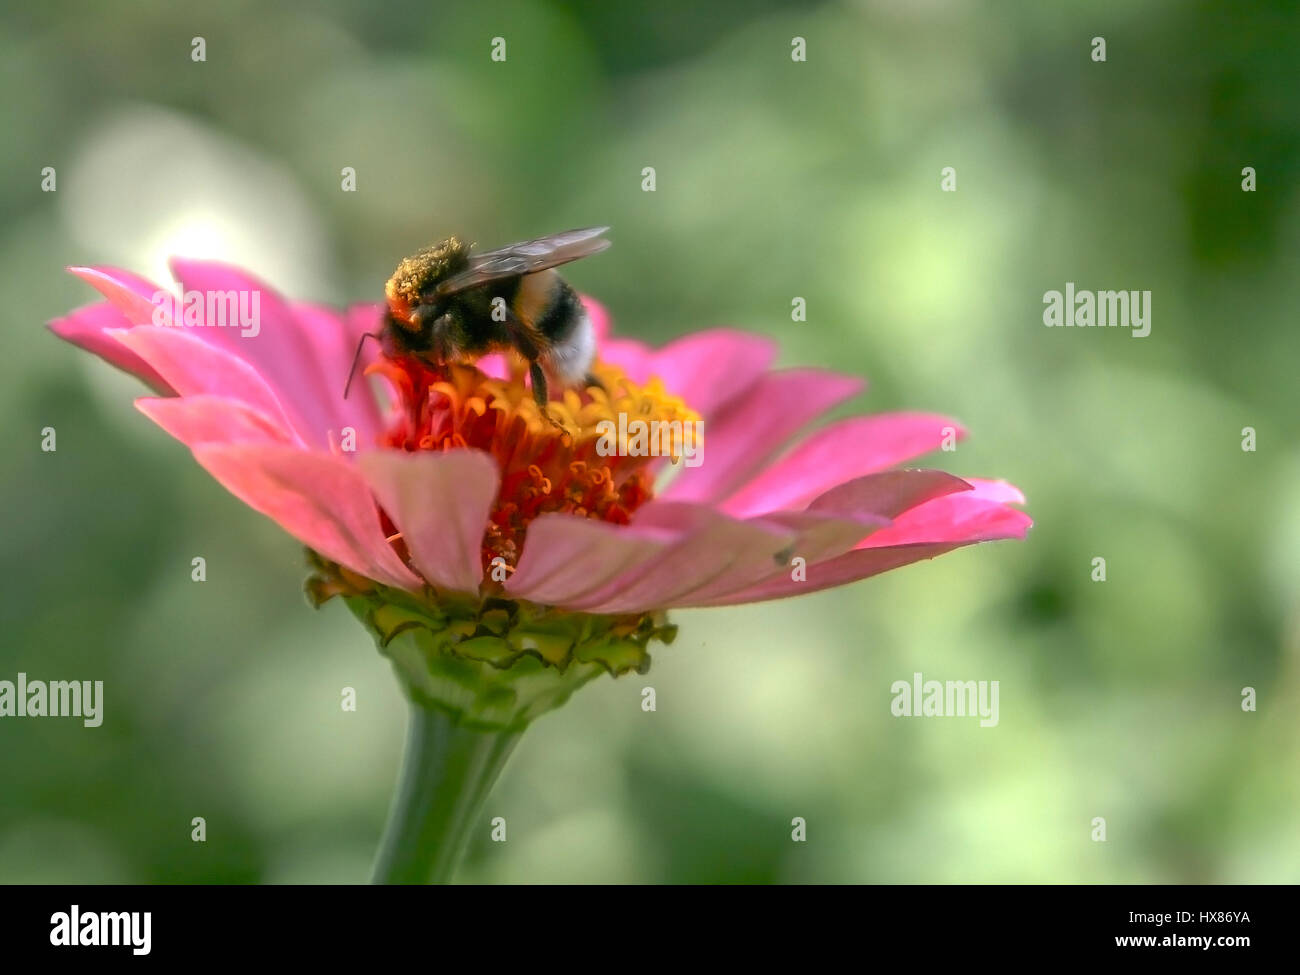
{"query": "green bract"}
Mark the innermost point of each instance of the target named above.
(491, 663)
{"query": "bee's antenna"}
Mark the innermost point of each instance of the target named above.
(356, 357)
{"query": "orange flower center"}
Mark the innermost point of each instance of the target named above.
(575, 458)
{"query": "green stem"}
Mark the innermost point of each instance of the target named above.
(447, 772)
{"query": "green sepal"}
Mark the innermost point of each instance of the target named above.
(491, 663)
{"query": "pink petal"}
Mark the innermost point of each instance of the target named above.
(195, 420)
(671, 548)
(890, 494)
(683, 554)
(360, 319)
(846, 568)
(633, 356)
(844, 450)
(281, 349)
(566, 556)
(995, 491)
(330, 343)
(955, 518)
(365, 316)
(320, 499)
(440, 502)
(317, 357)
(86, 328)
(747, 431)
(928, 530)
(706, 369)
(129, 293)
(598, 316)
(191, 366)
(675, 554)
(287, 346)
(494, 365)
(815, 536)
(837, 521)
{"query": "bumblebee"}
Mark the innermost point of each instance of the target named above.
(449, 304)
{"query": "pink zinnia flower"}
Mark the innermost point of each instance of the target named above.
(502, 555)
(462, 470)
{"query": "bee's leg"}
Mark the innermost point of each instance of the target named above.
(591, 380)
(541, 392)
(527, 347)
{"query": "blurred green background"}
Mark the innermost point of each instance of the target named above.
(775, 179)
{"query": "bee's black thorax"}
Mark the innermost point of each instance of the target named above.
(473, 311)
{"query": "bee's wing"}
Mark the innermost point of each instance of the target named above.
(527, 257)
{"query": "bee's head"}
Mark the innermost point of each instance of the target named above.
(420, 273)
(437, 329)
